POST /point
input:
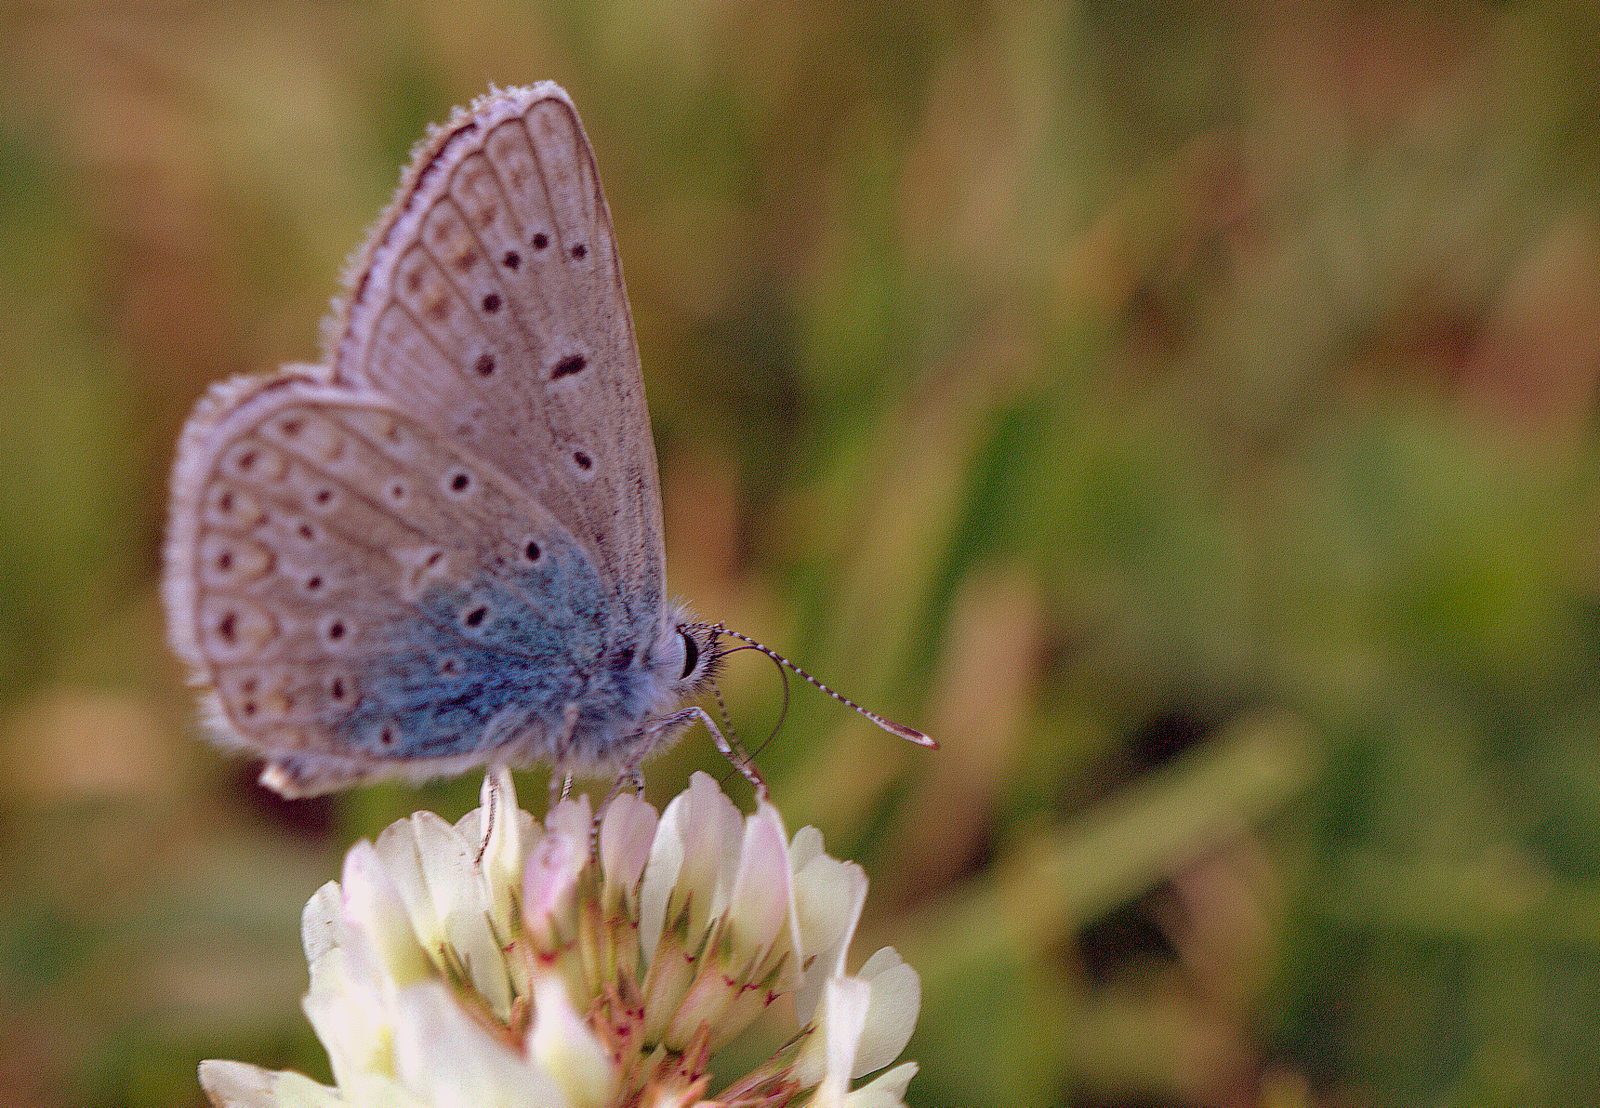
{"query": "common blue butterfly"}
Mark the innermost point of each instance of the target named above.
(443, 548)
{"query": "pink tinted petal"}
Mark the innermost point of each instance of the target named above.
(626, 832)
(572, 819)
(758, 906)
(553, 866)
(549, 888)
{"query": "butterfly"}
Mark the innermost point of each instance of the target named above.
(443, 547)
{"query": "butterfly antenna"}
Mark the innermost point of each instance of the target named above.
(900, 730)
(783, 712)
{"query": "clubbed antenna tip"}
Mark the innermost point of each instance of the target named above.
(909, 734)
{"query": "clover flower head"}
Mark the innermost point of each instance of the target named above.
(590, 963)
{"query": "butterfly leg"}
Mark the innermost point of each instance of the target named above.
(569, 724)
(629, 777)
(728, 739)
(741, 761)
(491, 811)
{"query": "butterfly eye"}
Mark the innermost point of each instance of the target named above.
(691, 653)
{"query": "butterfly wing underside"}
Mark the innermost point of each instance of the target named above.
(363, 598)
(489, 301)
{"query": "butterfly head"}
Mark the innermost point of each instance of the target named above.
(692, 655)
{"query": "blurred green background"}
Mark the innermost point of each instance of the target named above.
(1183, 411)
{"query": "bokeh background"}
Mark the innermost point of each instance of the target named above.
(1184, 411)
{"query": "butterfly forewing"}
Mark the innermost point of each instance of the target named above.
(490, 303)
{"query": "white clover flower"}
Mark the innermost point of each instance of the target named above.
(582, 966)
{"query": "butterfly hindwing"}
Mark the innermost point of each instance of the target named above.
(349, 585)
